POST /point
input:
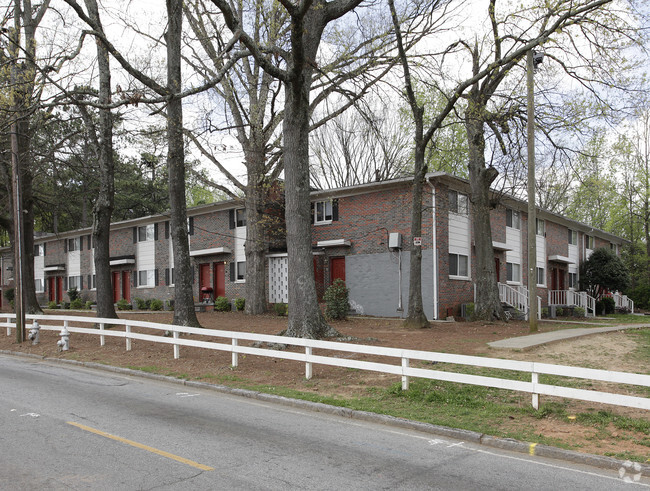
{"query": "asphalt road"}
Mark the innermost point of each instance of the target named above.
(76, 428)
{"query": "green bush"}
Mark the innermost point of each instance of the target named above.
(73, 294)
(240, 303)
(640, 295)
(336, 300)
(122, 304)
(156, 304)
(280, 309)
(141, 304)
(76, 304)
(221, 304)
(578, 312)
(65, 305)
(559, 312)
(545, 312)
(88, 305)
(10, 294)
(52, 305)
(170, 304)
(610, 305)
(469, 310)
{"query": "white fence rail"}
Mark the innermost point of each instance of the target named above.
(402, 356)
(621, 301)
(572, 298)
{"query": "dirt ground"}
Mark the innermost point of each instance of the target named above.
(612, 351)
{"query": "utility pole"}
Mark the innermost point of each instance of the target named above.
(532, 60)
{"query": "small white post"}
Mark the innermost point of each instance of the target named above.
(102, 338)
(405, 378)
(8, 326)
(235, 357)
(308, 368)
(177, 348)
(128, 338)
(535, 381)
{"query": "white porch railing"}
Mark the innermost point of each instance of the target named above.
(402, 357)
(517, 296)
(621, 301)
(572, 298)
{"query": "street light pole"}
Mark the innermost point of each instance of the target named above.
(532, 60)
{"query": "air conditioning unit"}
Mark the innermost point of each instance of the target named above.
(395, 240)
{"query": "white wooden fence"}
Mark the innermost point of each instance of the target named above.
(402, 357)
(572, 298)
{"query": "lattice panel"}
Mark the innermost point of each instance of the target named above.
(278, 280)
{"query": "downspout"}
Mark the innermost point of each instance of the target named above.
(435, 252)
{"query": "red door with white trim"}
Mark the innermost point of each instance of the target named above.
(219, 280)
(337, 269)
(204, 278)
(116, 286)
(59, 289)
(51, 289)
(126, 286)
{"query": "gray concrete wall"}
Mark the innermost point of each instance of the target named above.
(373, 282)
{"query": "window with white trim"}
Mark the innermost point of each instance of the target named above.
(146, 278)
(74, 244)
(513, 219)
(146, 233)
(458, 265)
(589, 241)
(93, 284)
(573, 280)
(74, 282)
(513, 272)
(38, 285)
(540, 227)
(458, 203)
(241, 270)
(573, 237)
(541, 277)
(240, 217)
(39, 250)
(323, 212)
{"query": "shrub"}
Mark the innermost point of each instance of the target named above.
(609, 304)
(156, 304)
(73, 294)
(336, 300)
(544, 312)
(280, 308)
(122, 304)
(88, 305)
(240, 303)
(76, 304)
(221, 304)
(52, 305)
(10, 294)
(141, 304)
(559, 312)
(65, 305)
(469, 311)
(578, 312)
(170, 304)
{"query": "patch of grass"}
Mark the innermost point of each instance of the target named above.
(626, 456)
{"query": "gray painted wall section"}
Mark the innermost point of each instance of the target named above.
(373, 282)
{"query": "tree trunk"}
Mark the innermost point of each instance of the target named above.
(305, 317)
(29, 287)
(487, 305)
(103, 209)
(416, 316)
(184, 313)
(255, 243)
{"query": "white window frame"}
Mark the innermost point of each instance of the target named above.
(93, 280)
(573, 237)
(512, 279)
(540, 227)
(39, 250)
(590, 241)
(514, 219)
(240, 272)
(325, 210)
(146, 233)
(39, 285)
(74, 244)
(458, 203)
(74, 281)
(457, 259)
(573, 281)
(150, 275)
(240, 217)
(541, 271)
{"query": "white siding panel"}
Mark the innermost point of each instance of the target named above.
(240, 241)
(573, 256)
(74, 263)
(146, 255)
(459, 234)
(541, 251)
(513, 240)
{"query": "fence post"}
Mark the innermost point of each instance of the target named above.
(235, 357)
(308, 369)
(102, 338)
(535, 381)
(8, 326)
(405, 379)
(177, 348)
(128, 338)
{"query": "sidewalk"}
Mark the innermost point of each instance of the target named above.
(532, 340)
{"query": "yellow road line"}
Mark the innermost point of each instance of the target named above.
(531, 449)
(142, 447)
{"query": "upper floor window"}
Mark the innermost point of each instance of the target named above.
(458, 203)
(540, 227)
(145, 233)
(39, 250)
(74, 244)
(322, 212)
(240, 217)
(589, 241)
(513, 219)
(573, 237)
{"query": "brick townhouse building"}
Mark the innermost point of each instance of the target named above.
(360, 234)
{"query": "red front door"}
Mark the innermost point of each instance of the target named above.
(51, 289)
(337, 268)
(219, 280)
(116, 286)
(204, 278)
(126, 286)
(59, 289)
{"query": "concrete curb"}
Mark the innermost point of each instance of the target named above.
(532, 449)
